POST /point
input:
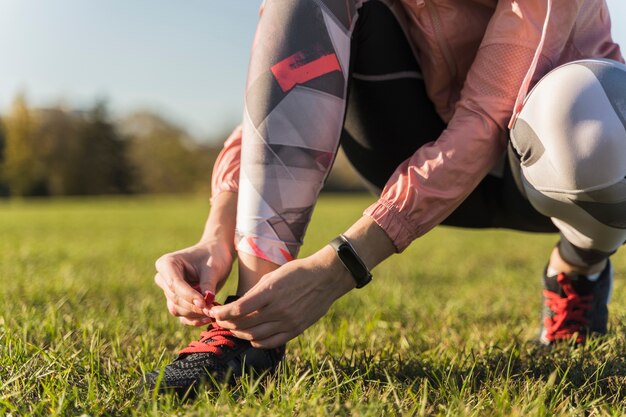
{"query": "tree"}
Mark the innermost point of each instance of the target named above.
(54, 151)
(4, 188)
(81, 152)
(57, 145)
(102, 160)
(23, 170)
(163, 156)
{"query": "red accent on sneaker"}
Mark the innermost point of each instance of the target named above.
(214, 337)
(569, 312)
(212, 340)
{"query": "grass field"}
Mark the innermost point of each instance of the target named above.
(446, 328)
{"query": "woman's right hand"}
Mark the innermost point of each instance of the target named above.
(205, 265)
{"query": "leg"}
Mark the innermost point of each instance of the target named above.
(294, 110)
(573, 165)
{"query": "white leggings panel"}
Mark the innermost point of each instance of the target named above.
(571, 137)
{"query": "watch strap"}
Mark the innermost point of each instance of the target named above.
(351, 260)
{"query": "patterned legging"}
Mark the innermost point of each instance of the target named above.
(294, 111)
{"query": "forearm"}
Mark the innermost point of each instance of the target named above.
(368, 239)
(220, 225)
(200, 268)
(370, 242)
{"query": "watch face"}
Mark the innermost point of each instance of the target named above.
(343, 250)
(351, 261)
(356, 268)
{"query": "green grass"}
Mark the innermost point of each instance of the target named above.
(446, 328)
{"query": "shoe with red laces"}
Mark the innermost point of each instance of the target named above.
(575, 307)
(219, 357)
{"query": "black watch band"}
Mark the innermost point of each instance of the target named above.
(351, 260)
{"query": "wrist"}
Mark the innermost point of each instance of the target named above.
(217, 237)
(217, 245)
(351, 260)
(339, 277)
(368, 245)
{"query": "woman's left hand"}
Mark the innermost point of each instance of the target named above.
(287, 301)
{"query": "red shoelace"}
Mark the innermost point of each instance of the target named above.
(569, 312)
(214, 337)
(212, 340)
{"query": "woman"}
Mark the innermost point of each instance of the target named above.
(421, 94)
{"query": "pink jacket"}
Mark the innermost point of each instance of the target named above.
(478, 58)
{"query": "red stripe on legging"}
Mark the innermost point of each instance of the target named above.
(290, 71)
(257, 251)
(286, 254)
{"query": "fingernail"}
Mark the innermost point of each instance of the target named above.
(206, 311)
(198, 303)
(211, 313)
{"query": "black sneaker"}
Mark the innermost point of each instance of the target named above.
(575, 307)
(217, 357)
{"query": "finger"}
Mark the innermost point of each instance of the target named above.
(273, 341)
(172, 296)
(195, 322)
(186, 295)
(209, 279)
(251, 320)
(160, 281)
(176, 300)
(171, 307)
(260, 332)
(178, 311)
(173, 272)
(208, 298)
(169, 269)
(250, 302)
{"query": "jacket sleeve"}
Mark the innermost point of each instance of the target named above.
(428, 186)
(225, 175)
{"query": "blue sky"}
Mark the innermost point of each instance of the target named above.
(187, 59)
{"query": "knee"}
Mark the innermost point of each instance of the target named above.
(571, 133)
(571, 139)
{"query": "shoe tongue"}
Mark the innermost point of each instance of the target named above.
(580, 283)
(552, 285)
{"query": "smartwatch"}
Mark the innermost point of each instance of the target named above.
(351, 260)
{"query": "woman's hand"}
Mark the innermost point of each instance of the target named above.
(205, 266)
(287, 301)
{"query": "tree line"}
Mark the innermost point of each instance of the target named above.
(59, 152)
(63, 152)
